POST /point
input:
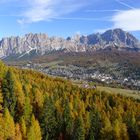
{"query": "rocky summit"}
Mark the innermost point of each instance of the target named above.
(41, 43)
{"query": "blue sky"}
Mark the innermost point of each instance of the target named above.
(68, 17)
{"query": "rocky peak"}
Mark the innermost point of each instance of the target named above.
(121, 38)
(42, 43)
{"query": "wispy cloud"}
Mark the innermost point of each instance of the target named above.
(125, 4)
(10, 15)
(128, 20)
(40, 10)
(98, 11)
(82, 18)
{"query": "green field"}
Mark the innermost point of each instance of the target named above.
(50, 64)
(125, 92)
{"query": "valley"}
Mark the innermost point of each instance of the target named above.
(108, 59)
(105, 68)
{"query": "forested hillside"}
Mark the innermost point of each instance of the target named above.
(34, 106)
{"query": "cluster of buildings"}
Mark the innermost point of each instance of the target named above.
(80, 73)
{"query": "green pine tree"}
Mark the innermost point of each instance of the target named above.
(48, 121)
(68, 121)
(9, 97)
(27, 110)
(79, 132)
(95, 124)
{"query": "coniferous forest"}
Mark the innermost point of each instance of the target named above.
(34, 106)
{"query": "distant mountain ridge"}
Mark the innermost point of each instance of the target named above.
(41, 43)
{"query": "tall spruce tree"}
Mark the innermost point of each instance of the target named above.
(48, 121)
(9, 126)
(79, 132)
(95, 125)
(9, 97)
(27, 110)
(34, 131)
(68, 121)
(1, 104)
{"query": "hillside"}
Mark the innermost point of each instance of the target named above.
(34, 107)
(110, 67)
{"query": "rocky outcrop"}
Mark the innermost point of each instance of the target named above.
(115, 37)
(42, 43)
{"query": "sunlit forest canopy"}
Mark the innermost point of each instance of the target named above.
(34, 106)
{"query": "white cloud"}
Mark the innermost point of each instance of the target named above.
(128, 20)
(40, 10)
(101, 30)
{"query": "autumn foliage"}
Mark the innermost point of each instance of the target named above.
(34, 107)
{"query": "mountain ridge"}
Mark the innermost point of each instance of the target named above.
(42, 43)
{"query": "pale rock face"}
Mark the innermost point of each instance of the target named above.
(42, 43)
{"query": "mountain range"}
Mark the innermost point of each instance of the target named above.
(41, 43)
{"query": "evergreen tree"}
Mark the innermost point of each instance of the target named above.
(9, 126)
(119, 130)
(3, 69)
(20, 99)
(68, 121)
(132, 126)
(106, 130)
(79, 131)
(1, 128)
(8, 92)
(23, 128)
(1, 104)
(37, 100)
(34, 130)
(95, 124)
(27, 110)
(48, 121)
